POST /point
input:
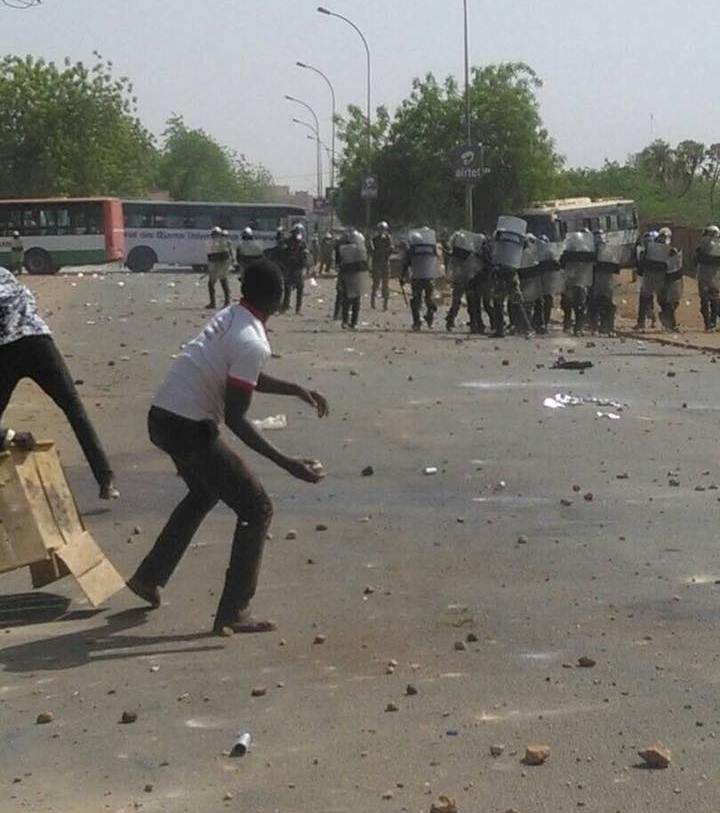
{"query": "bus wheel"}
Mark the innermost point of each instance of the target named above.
(38, 261)
(141, 259)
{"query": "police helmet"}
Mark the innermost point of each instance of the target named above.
(216, 231)
(383, 226)
(530, 239)
(16, 234)
(247, 233)
(711, 231)
(664, 235)
(415, 238)
(544, 238)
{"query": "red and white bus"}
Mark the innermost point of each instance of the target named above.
(60, 232)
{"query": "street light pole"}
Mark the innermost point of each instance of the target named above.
(317, 130)
(468, 126)
(332, 141)
(323, 10)
(314, 137)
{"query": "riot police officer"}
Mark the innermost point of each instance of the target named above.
(671, 259)
(381, 247)
(530, 278)
(607, 268)
(353, 276)
(578, 261)
(707, 261)
(421, 266)
(17, 254)
(296, 260)
(651, 281)
(219, 259)
(552, 278)
(507, 250)
(248, 251)
(327, 253)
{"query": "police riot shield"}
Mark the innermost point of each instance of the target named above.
(580, 242)
(423, 253)
(658, 253)
(610, 255)
(250, 250)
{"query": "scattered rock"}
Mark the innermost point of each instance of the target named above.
(522, 540)
(388, 795)
(673, 482)
(320, 639)
(656, 757)
(128, 717)
(148, 788)
(411, 690)
(671, 374)
(368, 471)
(586, 663)
(444, 805)
(321, 527)
(428, 471)
(460, 646)
(588, 496)
(369, 590)
(137, 530)
(497, 750)
(291, 535)
(259, 691)
(536, 754)
(45, 717)
(228, 797)
(392, 707)
(505, 363)
(471, 638)
(567, 503)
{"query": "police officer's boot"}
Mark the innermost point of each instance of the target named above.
(355, 313)
(706, 311)
(373, 296)
(211, 291)
(579, 320)
(715, 312)
(644, 305)
(385, 304)
(567, 315)
(225, 285)
(547, 311)
(499, 320)
(299, 294)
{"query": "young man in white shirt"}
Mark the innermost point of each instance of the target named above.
(214, 380)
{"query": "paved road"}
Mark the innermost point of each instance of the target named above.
(627, 578)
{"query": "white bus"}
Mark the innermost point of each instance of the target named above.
(176, 232)
(557, 218)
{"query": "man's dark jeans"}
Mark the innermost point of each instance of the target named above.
(212, 472)
(37, 358)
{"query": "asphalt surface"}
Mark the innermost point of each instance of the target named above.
(547, 534)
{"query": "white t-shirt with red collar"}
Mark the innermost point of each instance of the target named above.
(230, 352)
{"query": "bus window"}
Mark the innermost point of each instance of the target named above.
(198, 217)
(30, 221)
(63, 220)
(93, 218)
(609, 223)
(138, 216)
(10, 221)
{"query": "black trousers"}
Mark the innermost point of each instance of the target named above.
(422, 289)
(212, 472)
(37, 358)
(294, 278)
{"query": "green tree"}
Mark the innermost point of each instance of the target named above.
(70, 131)
(411, 152)
(193, 166)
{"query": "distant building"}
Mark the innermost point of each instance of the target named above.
(282, 194)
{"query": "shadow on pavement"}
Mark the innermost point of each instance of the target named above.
(31, 608)
(79, 648)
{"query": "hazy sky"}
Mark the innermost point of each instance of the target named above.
(226, 65)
